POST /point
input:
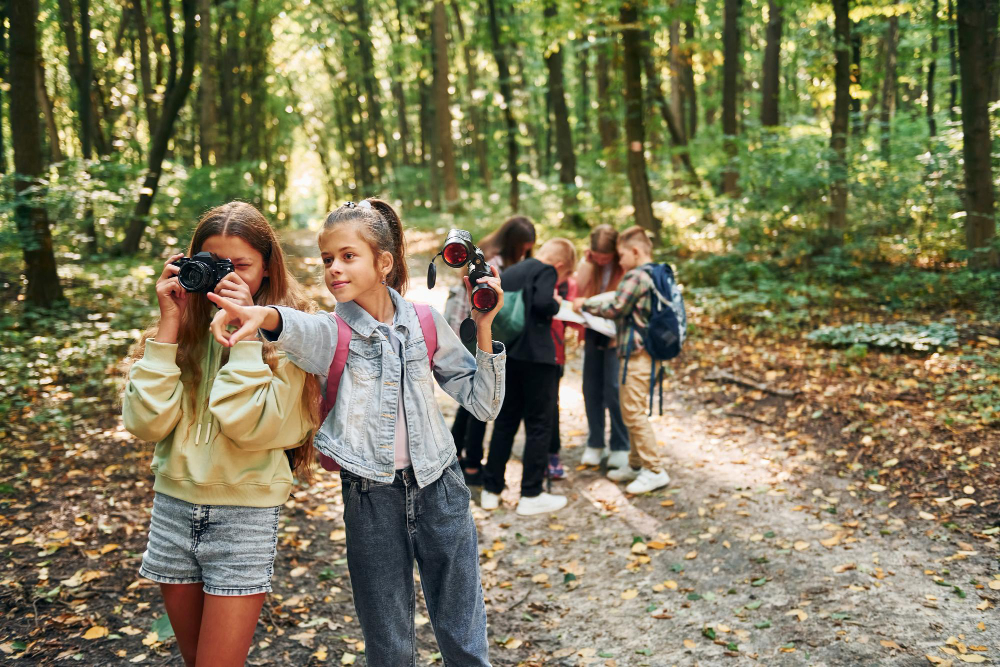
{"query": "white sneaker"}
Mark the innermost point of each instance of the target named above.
(543, 503)
(624, 474)
(618, 459)
(489, 501)
(592, 456)
(648, 481)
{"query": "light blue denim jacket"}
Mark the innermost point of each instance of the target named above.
(360, 431)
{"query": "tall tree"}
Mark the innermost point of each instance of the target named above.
(398, 91)
(932, 69)
(557, 98)
(583, 87)
(732, 54)
(977, 27)
(474, 108)
(690, 91)
(607, 125)
(445, 151)
(841, 114)
(43, 289)
(952, 60)
(208, 89)
(177, 91)
(667, 112)
(145, 71)
(772, 66)
(4, 12)
(55, 151)
(80, 68)
(635, 129)
(888, 108)
(507, 92)
(373, 106)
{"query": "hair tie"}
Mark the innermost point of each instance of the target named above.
(350, 204)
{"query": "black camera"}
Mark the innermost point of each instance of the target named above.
(458, 251)
(202, 272)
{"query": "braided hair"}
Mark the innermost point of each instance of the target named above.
(379, 225)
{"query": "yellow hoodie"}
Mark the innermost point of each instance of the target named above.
(231, 450)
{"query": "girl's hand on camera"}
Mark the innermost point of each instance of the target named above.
(235, 289)
(494, 282)
(578, 304)
(171, 296)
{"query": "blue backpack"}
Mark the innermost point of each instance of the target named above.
(666, 329)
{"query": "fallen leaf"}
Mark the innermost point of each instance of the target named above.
(800, 545)
(839, 569)
(96, 632)
(689, 643)
(348, 659)
(299, 571)
(629, 594)
(890, 644)
(691, 555)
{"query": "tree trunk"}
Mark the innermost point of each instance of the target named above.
(474, 111)
(839, 127)
(672, 122)
(677, 88)
(506, 91)
(4, 59)
(607, 126)
(690, 91)
(142, 34)
(174, 99)
(642, 198)
(770, 89)
(372, 105)
(79, 69)
(732, 54)
(952, 61)
(583, 101)
(560, 111)
(55, 152)
(398, 92)
(208, 88)
(932, 69)
(977, 26)
(888, 108)
(43, 288)
(856, 118)
(445, 153)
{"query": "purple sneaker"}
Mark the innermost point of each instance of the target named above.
(556, 470)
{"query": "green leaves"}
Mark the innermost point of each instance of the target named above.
(901, 336)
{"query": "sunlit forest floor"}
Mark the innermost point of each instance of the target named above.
(826, 508)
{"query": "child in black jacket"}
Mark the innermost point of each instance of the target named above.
(532, 380)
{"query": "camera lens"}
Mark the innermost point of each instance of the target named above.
(484, 298)
(194, 276)
(455, 254)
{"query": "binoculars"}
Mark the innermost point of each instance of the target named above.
(460, 251)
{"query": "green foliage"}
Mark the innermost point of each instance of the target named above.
(902, 336)
(60, 367)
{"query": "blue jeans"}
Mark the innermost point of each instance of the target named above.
(600, 392)
(390, 525)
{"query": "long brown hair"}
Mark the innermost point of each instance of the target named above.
(279, 288)
(380, 226)
(603, 239)
(509, 240)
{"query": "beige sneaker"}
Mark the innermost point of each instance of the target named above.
(648, 481)
(489, 501)
(543, 503)
(623, 474)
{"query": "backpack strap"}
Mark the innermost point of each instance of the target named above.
(333, 377)
(426, 317)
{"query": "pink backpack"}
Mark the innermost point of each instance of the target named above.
(340, 361)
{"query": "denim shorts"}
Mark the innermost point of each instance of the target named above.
(229, 548)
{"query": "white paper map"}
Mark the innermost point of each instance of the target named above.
(598, 324)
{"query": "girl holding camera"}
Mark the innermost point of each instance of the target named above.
(223, 418)
(404, 496)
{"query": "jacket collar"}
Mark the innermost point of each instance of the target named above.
(364, 324)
